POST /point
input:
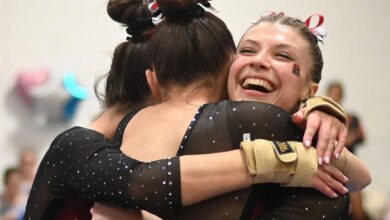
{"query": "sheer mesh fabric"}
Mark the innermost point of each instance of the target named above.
(220, 127)
(82, 163)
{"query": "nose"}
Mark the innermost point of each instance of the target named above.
(261, 60)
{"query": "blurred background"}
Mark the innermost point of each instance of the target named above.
(52, 51)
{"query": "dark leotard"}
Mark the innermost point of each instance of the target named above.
(220, 127)
(82, 163)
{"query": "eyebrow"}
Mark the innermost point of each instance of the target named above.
(250, 41)
(279, 46)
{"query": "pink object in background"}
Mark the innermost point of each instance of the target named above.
(30, 78)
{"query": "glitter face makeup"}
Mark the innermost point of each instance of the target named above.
(296, 70)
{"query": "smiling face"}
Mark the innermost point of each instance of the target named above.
(272, 65)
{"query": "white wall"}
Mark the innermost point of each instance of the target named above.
(78, 35)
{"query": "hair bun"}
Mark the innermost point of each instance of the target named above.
(193, 12)
(127, 11)
(180, 8)
(136, 27)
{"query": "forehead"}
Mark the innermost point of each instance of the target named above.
(275, 33)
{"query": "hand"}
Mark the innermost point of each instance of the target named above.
(332, 133)
(105, 212)
(330, 181)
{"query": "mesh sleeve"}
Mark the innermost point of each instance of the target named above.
(83, 163)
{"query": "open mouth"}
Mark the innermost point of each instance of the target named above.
(258, 85)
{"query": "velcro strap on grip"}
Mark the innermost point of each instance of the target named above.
(326, 105)
(284, 152)
(270, 161)
(306, 166)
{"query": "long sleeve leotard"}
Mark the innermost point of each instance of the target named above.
(83, 163)
(220, 127)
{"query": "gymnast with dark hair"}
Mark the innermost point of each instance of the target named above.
(83, 163)
(188, 84)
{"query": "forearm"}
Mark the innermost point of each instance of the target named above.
(202, 177)
(92, 167)
(357, 172)
(206, 176)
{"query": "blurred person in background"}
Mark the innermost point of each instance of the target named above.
(355, 135)
(27, 167)
(12, 200)
(355, 138)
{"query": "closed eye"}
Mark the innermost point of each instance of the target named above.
(284, 56)
(246, 51)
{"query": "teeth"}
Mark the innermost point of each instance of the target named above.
(257, 82)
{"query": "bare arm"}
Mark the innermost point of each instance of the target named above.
(212, 175)
(357, 172)
(331, 129)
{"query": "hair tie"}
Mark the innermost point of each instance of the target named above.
(196, 11)
(136, 27)
(318, 31)
(206, 3)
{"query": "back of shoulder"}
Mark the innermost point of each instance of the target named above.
(79, 135)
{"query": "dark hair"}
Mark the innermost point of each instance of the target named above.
(8, 172)
(190, 44)
(126, 83)
(307, 35)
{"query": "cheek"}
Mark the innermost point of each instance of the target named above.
(237, 63)
(234, 73)
(285, 72)
(231, 82)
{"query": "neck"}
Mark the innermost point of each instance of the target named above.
(195, 94)
(108, 121)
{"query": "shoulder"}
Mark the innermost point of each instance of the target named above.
(245, 105)
(249, 107)
(78, 136)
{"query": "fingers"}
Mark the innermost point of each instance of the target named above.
(319, 185)
(98, 211)
(328, 184)
(341, 139)
(324, 134)
(334, 173)
(299, 118)
(335, 185)
(93, 211)
(313, 124)
(332, 135)
(331, 144)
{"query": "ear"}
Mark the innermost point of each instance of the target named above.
(313, 88)
(154, 86)
(311, 91)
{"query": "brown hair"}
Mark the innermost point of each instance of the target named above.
(300, 27)
(333, 85)
(7, 174)
(190, 44)
(126, 83)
